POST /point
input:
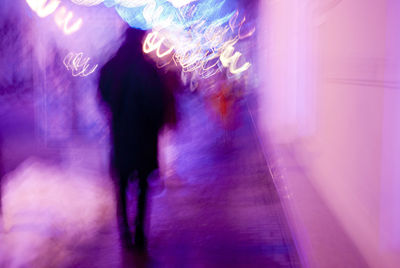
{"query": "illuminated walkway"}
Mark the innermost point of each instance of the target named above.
(218, 206)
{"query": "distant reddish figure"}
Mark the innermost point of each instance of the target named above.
(223, 101)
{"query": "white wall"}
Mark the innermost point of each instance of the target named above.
(330, 94)
(390, 182)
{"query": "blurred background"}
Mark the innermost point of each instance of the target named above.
(286, 147)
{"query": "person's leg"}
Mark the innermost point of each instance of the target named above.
(122, 215)
(140, 239)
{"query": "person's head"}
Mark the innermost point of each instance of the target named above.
(134, 36)
(132, 45)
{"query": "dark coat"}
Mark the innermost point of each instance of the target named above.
(131, 87)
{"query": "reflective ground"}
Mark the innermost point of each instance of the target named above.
(215, 205)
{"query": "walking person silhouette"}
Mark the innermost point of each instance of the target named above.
(135, 94)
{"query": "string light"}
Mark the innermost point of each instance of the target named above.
(78, 65)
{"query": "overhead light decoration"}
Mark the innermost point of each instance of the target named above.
(197, 35)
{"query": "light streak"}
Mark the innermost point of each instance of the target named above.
(78, 65)
(191, 59)
(232, 21)
(233, 26)
(63, 19)
(214, 56)
(151, 43)
(210, 70)
(229, 60)
(44, 8)
(246, 35)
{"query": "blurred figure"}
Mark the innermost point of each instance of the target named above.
(136, 97)
(223, 101)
